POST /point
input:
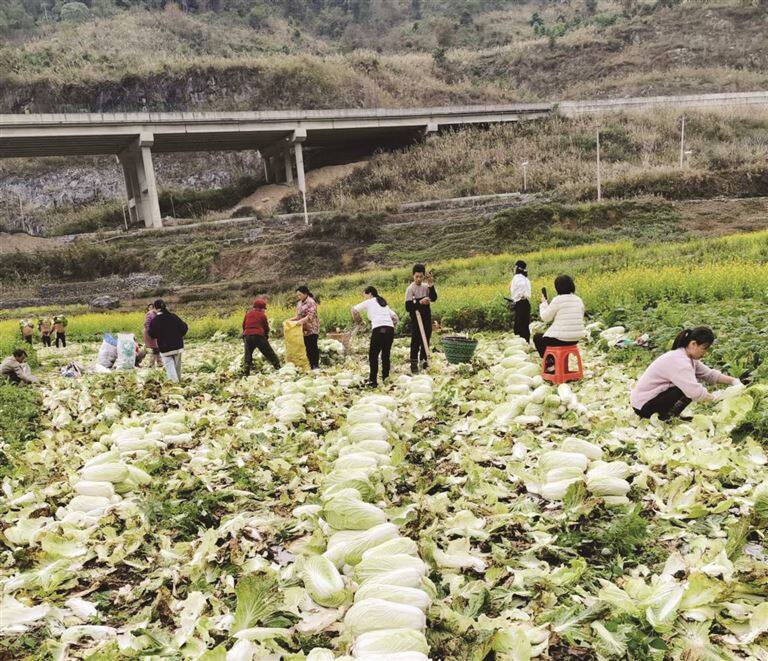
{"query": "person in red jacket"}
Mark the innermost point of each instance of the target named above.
(256, 335)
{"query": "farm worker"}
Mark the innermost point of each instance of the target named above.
(306, 314)
(383, 321)
(418, 299)
(27, 330)
(169, 331)
(520, 295)
(566, 312)
(60, 327)
(45, 326)
(256, 335)
(149, 342)
(671, 382)
(16, 369)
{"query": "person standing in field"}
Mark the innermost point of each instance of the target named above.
(383, 321)
(256, 335)
(306, 314)
(671, 382)
(60, 328)
(566, 312)
(419, 297)
(45, 326)
(169, 331)
(149, 342)
(520, 295)
(16, 369)
(27, 330)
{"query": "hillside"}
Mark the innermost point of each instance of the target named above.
(283, 54)
(444, 51)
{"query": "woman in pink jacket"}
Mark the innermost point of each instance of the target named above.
(149, 342)
(671, 382)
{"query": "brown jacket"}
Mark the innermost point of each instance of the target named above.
(17, 372)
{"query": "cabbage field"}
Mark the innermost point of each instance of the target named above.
(473, 512)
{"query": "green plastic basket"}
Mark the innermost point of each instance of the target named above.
(458, 349)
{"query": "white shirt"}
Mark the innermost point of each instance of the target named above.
(520, 288)
(379, 316)
(566, 312)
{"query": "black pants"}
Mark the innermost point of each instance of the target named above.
(522, 326)
(541, 342)
(417, 345)
(61, 337)
(253, 342)
(46, 340)
(669, 403)
(313, 353)
(381, 343)
(27, 339)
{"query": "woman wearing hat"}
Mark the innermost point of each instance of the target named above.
(520, 295)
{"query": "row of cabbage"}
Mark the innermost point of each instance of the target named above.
(367, 566)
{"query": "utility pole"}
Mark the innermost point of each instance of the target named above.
(682, 142)
(599, 186)
(525, 176)
(21, 214)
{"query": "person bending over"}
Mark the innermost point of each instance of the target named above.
(566, 312)
(671, 382)
(16, 369)
(383, 321)
(256, 335)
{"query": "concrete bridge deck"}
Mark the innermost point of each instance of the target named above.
(280, 136)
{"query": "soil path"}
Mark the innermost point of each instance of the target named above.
(266, 198)
(25, 243)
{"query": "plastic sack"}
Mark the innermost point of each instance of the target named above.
(295, 352)
(126, 352)
(107, 352)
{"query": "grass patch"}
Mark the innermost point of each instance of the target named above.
(76, 262)
(19, 422)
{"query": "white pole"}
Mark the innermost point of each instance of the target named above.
(682, 142)
(599, 187)
(125, 219)
(301, 177)
(525, 176)
(21, 213)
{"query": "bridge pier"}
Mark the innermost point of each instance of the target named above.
(140, 182)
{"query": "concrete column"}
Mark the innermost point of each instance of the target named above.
(288, 166)
(132, 191)
(299, 136)
(149, 198)
(300, 167)
(274, 170)
(265, 165)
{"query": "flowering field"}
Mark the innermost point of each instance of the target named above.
(469, 513)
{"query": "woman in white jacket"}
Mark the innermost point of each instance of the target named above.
(566, 312)
(520, 296)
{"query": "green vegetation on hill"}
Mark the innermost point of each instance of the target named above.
(119, 55)
(639, 152)
(608, 276)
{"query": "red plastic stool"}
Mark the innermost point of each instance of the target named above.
(560, 355)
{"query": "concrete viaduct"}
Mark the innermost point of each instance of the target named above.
(281, 137)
